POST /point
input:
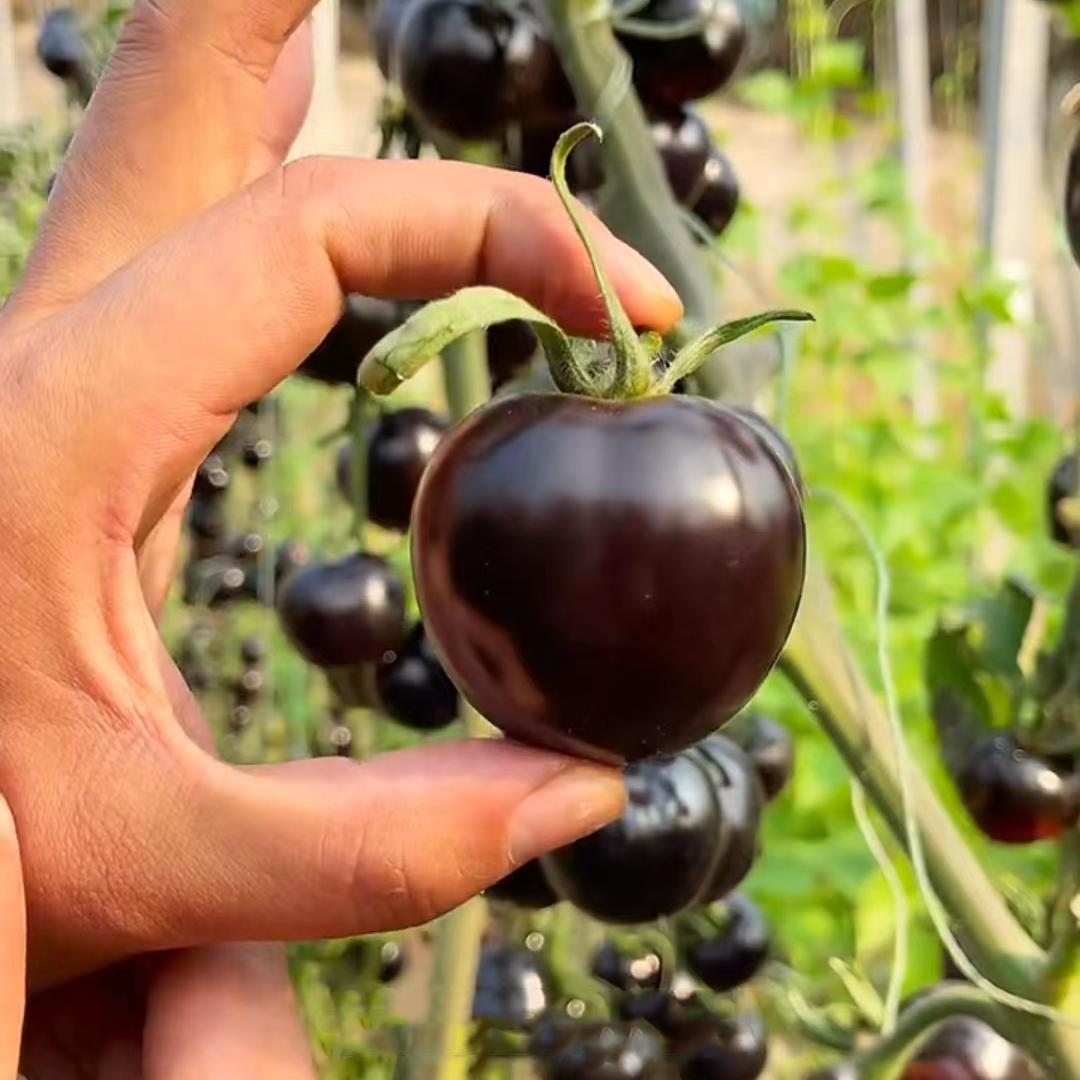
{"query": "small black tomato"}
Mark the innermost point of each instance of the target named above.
(471, 67)
(967, 1049)
(669, 1013)
(684, 144)
(211, 479)
(363, 323)
(566, 1050)
(401, 446)
(568, 556)
(626, 972)
(511, 987)
(527, 887)
(388, 20)
(63, 51)
(770, 747)
(658, 858)
(413, 688)
(728, 1048)
(742, 803)
(1064, 485)
(1017, 797)
(670, 72)
(344, 613)
(1072, 199)
(718, 193)
(738, 951)
(510, 348)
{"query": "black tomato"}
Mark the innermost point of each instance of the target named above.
(684, 145)
(670, 1013)
(718, 194)
(625, 972)
(967, 1049)
(344, 613)
(252, 652)
(742, 803)
(401, 446)
(471, 67)
(571, 556)
(737, 953)
(388, 19)
(413, 688)
(63, 51)
(527, 887)
(511, 347)
(364, 322)
(511, 987)
(257, 452)
(211, 479)
(771, 748)
(670, 72)
(779, 443)
(658, 858)
(1072, 199)
(207, 523)
(1064, 484)
(599, 1051)
(393, 960)
(1017, 797)
(725, 1048)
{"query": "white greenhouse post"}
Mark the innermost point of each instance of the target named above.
(322, 129)
(9, 81)
(913, 115)
(1015, 53)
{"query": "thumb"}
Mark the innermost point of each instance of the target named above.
(12, 946)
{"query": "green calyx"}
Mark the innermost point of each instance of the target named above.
(627, 367)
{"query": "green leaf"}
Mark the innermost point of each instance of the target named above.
(424, 335)
(692, 356)
(1003, 621)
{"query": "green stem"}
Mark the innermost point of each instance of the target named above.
(465, 375)
(820, 665)
(633, 366)
(441, 1052)
(361, 417)
(1064, 963)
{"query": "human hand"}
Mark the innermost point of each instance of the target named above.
(166, 292)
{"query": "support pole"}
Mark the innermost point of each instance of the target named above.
(1016, 38)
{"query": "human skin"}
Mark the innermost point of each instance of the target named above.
(181, 273)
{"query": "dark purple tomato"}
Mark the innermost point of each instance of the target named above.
(471, 67)
(670, 72)
(599, 1051)
(252, 652)
(576, 559)
(527, 887)
(739, 950)
(248, 689)
(684, 144)
(658, 858)
(211, 479)
(511, 347)
(742, 803)
(1072, 199)
(967, 1049)
(1064, 484)
(207, 523)
(63, 51)
(624, 971)
(388, 19)
(344, 613)
(771, 748)
(1016, 797)
(413, 688)
(511, 987)
(668, 1012)
(257, 452)
(726, 1048)
(401, 446)
(363, 323)
(393, 960)
(779, 443)
(718, 193)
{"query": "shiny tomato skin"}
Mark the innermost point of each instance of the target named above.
(658, 858)
(613, 580)
(737, 953)
(967, 1049)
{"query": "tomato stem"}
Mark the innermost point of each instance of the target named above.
(633, 365)
(362, 413)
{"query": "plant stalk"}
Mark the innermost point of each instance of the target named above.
(637, 203)
(442, 1050)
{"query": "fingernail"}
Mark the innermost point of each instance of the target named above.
(574, 803)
